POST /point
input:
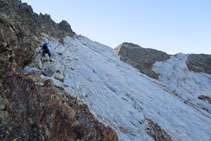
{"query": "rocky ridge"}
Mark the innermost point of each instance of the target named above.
(144, 58)
(20, 14)
(199, 63)
(140, 58)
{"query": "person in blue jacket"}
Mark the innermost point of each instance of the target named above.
(45, 50)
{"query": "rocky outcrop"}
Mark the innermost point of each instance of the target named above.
(199, 63)
(16, 42)
(29, 111)
(140, 58)
(34, 112)
(157, 133)
(65, 26)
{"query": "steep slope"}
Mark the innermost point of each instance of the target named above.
(29, 111)
(136, 106)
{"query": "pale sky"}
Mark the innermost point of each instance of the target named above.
(171, 26)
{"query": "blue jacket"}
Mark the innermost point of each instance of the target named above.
(45, 46)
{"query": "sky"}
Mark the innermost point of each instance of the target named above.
(171, 26)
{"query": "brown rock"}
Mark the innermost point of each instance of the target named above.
(3, 45)
(46, 112)
(156, 132)
(34, 76)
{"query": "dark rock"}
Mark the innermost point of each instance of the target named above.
(199, 63)
(45, 18)
(3, 46)
(33, 75)
(205, 98)
(48, 72)
(17, 40)
(48, 83)
(65, 26)
(156, 132)
(140, 58)
(33, 112)
(22, 14)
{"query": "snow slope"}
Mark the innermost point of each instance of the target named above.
(118, 94)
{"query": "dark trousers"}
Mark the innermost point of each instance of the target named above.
(46, 51)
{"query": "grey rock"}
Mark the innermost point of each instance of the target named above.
(140, 58)
(48, 69)
(65, 26)
(20, 14)
(199, 63)
(59, 77)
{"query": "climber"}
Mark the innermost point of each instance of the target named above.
(45, 50)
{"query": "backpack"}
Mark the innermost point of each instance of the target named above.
(45, 46)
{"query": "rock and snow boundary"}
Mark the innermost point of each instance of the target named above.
(118, 94)
(186, 84)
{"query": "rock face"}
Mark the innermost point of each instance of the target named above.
(156, 132)
(28, 109)
(199, 63)
(33, 112)
(140, 58)
(65, 26)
